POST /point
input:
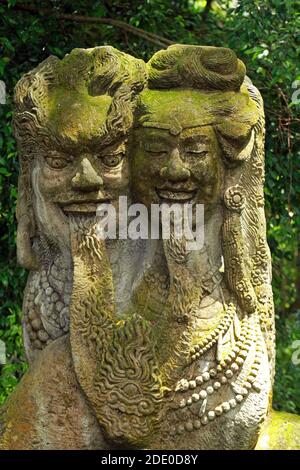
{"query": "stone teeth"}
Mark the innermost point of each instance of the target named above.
(203, 394)
(205, 376)
(232, 403)
(212, 373)
(211, 415)
(239, 398)
(195, 397)
(210, 390)
(219, 410)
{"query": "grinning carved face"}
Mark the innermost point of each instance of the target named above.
(78, 181)
(79, 174)
(176, 160)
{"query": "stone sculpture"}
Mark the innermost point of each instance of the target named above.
(143, 343)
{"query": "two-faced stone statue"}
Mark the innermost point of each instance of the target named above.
(143, 343)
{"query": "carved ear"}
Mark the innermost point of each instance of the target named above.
(236, 148)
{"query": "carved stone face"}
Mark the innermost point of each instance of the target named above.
(74, 173)
(176, 161)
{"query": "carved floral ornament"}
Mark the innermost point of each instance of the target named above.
(155, 345)
(234, 198)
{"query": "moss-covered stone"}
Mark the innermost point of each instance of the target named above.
(77, 116)
(281, 431)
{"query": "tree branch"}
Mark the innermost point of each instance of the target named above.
(151, 37)
(206, 9)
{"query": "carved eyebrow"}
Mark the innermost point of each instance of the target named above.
(159, 145)
(152, 131)
(195, 139)
(113, 149)
(56, 152)
(155, 139)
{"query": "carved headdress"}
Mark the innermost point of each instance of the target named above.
(48, 100)
(233, 106)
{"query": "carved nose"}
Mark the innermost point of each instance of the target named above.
(86, 179)
(175, 169)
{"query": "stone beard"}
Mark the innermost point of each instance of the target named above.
(156, 345)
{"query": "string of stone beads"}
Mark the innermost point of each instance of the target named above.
(199, 349)
(232, 368)
(250, 381)
(250, 330)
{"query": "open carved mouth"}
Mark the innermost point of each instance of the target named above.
(176, 195)
(89, 206)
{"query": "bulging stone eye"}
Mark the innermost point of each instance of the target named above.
(57, 163)
(113, 160)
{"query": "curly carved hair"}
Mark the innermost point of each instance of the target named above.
(84, 73)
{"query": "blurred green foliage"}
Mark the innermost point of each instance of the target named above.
(265, 35)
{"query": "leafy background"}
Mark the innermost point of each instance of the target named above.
(265, 36)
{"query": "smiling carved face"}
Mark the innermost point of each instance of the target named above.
(176, 157)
